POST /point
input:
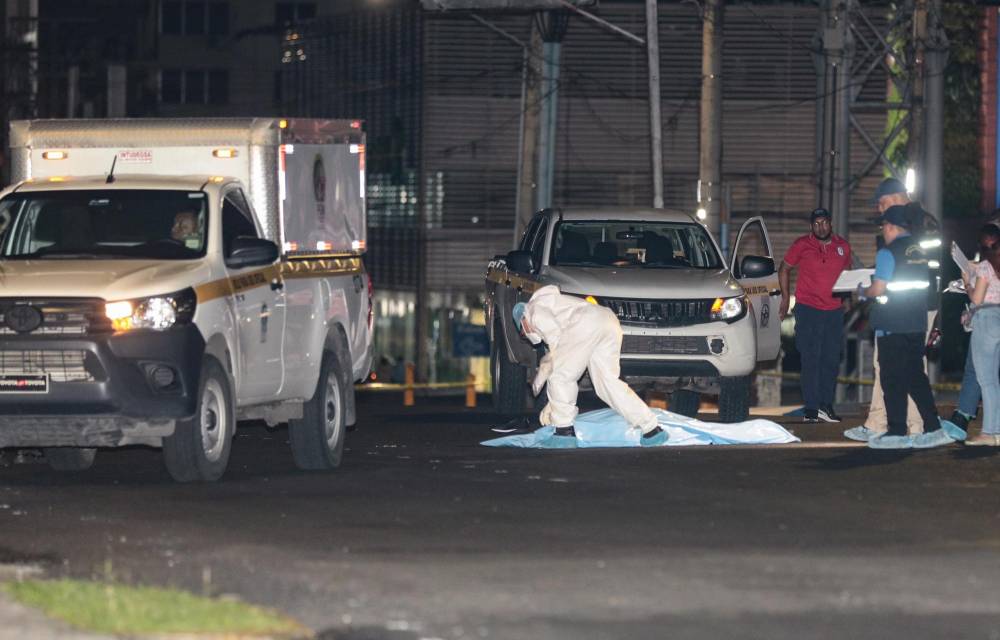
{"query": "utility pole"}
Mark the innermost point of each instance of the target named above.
(933, 169)
(710, 148)
(552, 25)
(655, 126)
(916, 144)
(835, 159)
(530, 118)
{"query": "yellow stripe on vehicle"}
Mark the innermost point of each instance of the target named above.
(513, 280)
(319, 267)
(760, 289)
(307, 268)
(212, 290)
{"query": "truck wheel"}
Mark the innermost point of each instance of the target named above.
(510, 380)
(685, 402)
(318, 437)
(198, 450)
(70, 458)
(734, 399)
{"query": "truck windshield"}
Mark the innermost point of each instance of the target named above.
(613, 243)
(127, 224)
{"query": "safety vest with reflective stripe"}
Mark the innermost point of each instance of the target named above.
(903, 307)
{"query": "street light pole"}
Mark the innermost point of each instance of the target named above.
(710, 148)
(655, 130)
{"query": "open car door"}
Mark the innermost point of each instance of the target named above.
(760, 284)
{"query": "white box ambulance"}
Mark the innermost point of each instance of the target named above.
(162, 279)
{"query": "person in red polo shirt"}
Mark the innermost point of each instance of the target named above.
(820, 257)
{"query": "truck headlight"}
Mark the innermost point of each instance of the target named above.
(156, 312)
(729, 309)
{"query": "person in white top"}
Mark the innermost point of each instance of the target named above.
(985, 342)
(581, 337)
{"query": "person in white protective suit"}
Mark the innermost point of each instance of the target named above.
(581, 337)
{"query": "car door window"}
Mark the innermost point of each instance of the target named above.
(235, 223)
(240, 200)
(529, 234)
(538, 245)
(753, 242)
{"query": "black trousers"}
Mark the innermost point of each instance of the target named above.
(901, 364)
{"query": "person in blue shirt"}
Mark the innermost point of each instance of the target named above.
(899, 287)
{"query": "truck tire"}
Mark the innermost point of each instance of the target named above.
(70, 458)
(317, 438)
(198, 450)
(685, 402)
(734, 399)
(510, 380)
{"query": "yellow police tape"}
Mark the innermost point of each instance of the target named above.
(940, 386)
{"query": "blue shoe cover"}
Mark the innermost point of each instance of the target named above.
(859, 434)
(933, 439)
(954, 431)
(886, 441)
(654, 441)
(558, 442)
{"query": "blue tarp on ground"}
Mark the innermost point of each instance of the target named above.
(605, 428)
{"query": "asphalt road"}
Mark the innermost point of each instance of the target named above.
(425, 534)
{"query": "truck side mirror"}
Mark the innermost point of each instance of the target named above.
(251, 252)
(756, 267)
(520, 261)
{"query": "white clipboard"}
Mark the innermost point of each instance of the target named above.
(963, 263)
(849, 280)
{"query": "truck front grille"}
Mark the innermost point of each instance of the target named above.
(62, 317)
(665, 345)
(64, 365)
(661, 313)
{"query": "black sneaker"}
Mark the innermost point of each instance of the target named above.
(959, 418)
(516, 426)
(569, 431)
(827, 414)
(810, 416)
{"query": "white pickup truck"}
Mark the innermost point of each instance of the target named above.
(692, 322)
(163, 279)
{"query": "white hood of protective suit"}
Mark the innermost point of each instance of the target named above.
(548, 311)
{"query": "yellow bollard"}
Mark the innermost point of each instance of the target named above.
(470, 391)
(408, 390)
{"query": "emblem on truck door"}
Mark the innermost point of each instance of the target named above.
(23, 318)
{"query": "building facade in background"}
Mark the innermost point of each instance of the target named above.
(441, 95)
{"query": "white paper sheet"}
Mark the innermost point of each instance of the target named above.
(851, 278)
(959, 257)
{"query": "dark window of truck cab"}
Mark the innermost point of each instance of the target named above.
(104, 224)
(653, 244)
(235, 223)
(529, 233)
(752, 243)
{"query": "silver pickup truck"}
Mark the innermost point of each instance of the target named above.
(692, 322)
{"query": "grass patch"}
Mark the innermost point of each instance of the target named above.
(119, 609)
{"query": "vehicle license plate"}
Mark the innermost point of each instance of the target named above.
(28, 383)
